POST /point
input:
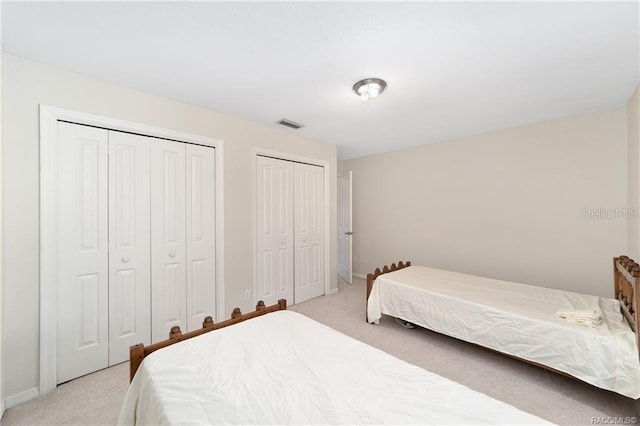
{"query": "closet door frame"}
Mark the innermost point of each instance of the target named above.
(258, 151)
(49, 118)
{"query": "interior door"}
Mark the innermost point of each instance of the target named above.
(308, 231)
(168, 248)
(82, 329)
(345, 244)
(201, 234)
(274, 230)
(129, 244)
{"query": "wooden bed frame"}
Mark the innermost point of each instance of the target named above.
(138, 352)
(626, 281)
(372, 277)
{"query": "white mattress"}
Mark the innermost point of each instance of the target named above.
(284, 368)
(516, 319)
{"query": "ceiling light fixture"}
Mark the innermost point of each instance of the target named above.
(369, 88)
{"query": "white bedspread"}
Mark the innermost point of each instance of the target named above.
(284, 368)
(516, 319)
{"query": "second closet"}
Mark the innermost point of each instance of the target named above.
(290, 234)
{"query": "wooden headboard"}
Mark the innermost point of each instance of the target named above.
(626, 279)
(139, 351)
(372, 277)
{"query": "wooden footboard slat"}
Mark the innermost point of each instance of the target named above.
(138, 352)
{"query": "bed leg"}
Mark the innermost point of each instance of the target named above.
(370, 279)
(617, 287)
(636, 315)
(136, 355)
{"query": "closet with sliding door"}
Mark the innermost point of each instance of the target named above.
(136, 243)
(290, 233)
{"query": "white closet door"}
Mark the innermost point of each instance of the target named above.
(83, 345)
(201, 234)
(309, 231)
(129, 244)
(274, 233)
(168, 253)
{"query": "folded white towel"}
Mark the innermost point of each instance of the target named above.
(588, 317)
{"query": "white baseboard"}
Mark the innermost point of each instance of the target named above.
(363, 276)
(333, 291)
(19, 398)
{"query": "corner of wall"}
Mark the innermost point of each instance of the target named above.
(633, 174)
(2, 403)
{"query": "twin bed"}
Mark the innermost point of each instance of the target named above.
(285, 368)
(521, 320)
(274, 366)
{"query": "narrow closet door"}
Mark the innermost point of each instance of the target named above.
(129, 244)
(274, 230)
(309, 231)
(82, 345)
(168, 273)
(201, 234)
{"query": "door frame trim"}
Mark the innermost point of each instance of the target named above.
(349, 175)
(259, 151)
(49, 117)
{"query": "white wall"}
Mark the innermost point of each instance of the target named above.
(633, 137)
(27, 84)
(2, 406)
(506, 204)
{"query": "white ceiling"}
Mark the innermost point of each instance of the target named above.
(452, 68)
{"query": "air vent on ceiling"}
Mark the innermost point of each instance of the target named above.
(289, 123)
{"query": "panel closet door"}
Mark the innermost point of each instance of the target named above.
(274, 230)
(136, 243)
(309, 231)
(129, 244)
(82, 330)
(168, 248)
(201, 234)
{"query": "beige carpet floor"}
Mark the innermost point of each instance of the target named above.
(95, 399)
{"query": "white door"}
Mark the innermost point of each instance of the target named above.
(129, 244)
(168, 273)
(201, 234)
(82, 329)
(345, 268)
(308, 231)
(274, 230)
(132, 211)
